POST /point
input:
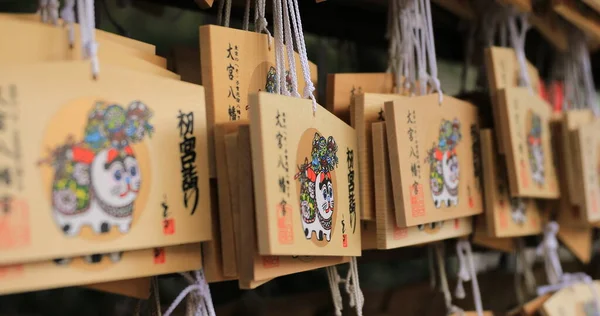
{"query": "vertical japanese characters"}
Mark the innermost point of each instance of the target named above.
(284, 216)
(187, 150)
(417, 200)
(14, 226)
(233, 93)
(351, 198)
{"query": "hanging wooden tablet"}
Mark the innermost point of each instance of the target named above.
(434, 150)
(48, 274)
(231, 156)
(506, 216)
(502, 70)
(141, 47)
(226, 203)
(575, 300)
(296, 152)
(389, 235)
(138, 288)
(368, 108)
(342, 88)
(572, 120)
(212, 259)
(105, 168)
(234, 64)
(530, 165)
(253, 266)
(37, 42)
(575, 232)
(587, 144)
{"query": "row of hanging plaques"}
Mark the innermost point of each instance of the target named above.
(82, 168)
(312, 180)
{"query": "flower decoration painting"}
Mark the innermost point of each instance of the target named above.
(98, 177)
(316, 182)
(444, 166)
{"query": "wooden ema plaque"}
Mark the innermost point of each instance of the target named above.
(342, 89)
(37, 42)
(434, 155)
(502, 69)
(481, 238)
(571, 121)
(141, 48)
(576, 300)
(212, 257)
(506, 216)
(389, 235)
(368, 108)
(587, 143)
(236, 63)
(575, 232)
(227, 206)
(305, 184)
(252, 266)
(529, 160)
(104, 168)
(49, 274)
(137, 288)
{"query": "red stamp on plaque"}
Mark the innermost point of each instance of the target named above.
(270, 262)
(524, 176)
(169, 226)
(400, 233)
(503, 218)
(285, 231)
(14, 223)
(11, 271)
(345, 240)
(417, 200)
(159, 255)
(456, 224)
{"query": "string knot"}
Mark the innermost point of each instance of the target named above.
(199, 294)
(352, 286)
(549, 249)
(68, 15)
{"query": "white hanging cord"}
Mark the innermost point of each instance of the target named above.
(549, 250)
(517, 39)
(87, 25)
(309, 87)
(289, 47)
(68, 15)
(352, 286)
(48, 11)
(523, 268)
(43, 10)
(434, 80)
(260, 21)
(450, 308)
(155, 293)
(220, 12)
(279, 47)
(200, 292)
(246, 21)
(334, 286)
(53, 6)
(467, 272)
(583, 55)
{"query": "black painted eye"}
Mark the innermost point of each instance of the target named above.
(421, 227)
